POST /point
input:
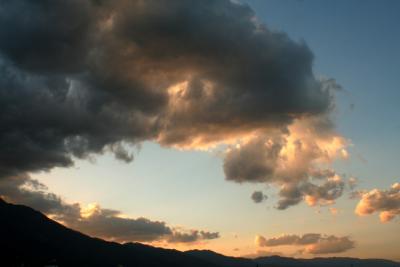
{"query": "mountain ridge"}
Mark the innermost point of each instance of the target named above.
(29, 238)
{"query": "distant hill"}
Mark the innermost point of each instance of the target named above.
(29, 238)
(277, 261)
(221, 260)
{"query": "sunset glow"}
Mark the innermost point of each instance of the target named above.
(249, 128)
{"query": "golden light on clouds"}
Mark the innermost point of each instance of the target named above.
(89, 210)
(311, 243)
(385, 202)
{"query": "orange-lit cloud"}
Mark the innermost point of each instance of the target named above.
(94, 220)
(386, 202)
(313, 243)
(298, 161)
(330, 244)
(334, 211)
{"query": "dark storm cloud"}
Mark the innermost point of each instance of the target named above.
(254, 162)
(79, 78)
(94, 220)
(45, 120)
(46, 36)
(22, 189)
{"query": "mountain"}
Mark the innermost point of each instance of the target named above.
(29, 238)
(278, 261)
(221, 260)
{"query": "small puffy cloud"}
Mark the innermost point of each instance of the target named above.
(386, 202)
(258, 196)
(325, 193)
(313, 243)
(93, 219)
(330, 244)
(313, 194)
(287, 240)
(357, 194)
(260, 241)
(208, 235)
(191, 236)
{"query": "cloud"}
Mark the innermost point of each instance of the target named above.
(313, 243)
(24, 190)
(93, 219)
(108, 224)
(191, 236)
(334, 211)
(186, 74)
(252, 162)
(386, 202)
(258, 196)
(357, 194)
(287, 240)
(263, 253)
(331, 244)
(352, 182)
(298, 162)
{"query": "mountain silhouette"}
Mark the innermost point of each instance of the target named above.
(29, 238)
(221, 260)
(278, 261)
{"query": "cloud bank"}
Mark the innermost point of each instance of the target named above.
(313, 243)
(93, 219)
(386, 202)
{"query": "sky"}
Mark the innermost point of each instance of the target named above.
(249, 128)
